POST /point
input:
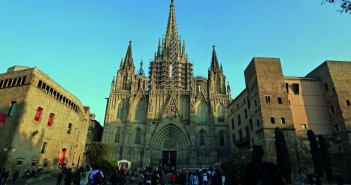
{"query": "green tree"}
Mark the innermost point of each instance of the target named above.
(236, 165)
(326, 157)
(98, 155)
(315, 152)
(283, 158)
(345, 5)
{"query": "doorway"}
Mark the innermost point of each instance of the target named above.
(169, 158)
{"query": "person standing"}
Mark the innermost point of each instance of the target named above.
(85, 175)
(59, 177)
(261, 172)
(96, 177)
(15, 177)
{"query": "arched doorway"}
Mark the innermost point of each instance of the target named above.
(170, 145)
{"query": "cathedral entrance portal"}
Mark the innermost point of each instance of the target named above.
(169, 158)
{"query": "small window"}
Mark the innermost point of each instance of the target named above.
(303, 126)
(43, 149)
(51, 119)
(239, 120)
(326, 87)
(331, 109)
(255, 103)
(221, 138)
(19, 161)
(244, 100)
(258, 122)
(337, 128)
(202, 138)
(296, 88)
(237, 106)
(233, 138)
(245, 111)
(272, 120)
(280, 100)
(24, 80)
(233, 124)
(117, 136)
(348, 103)
(137, 136)
(46, 164)
(250, 122)
(34, 163)
(268, 99)
(248, 104)
(69, 128)
(282, 120)
(12, 109)
(38, 114)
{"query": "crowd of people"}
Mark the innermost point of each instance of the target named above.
(5, 175)
(87, 175)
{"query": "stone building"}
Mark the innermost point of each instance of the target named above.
(320, 102)
(41, 123)
(94, 133)
(170, 117)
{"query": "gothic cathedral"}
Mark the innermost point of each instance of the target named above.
(171, 117)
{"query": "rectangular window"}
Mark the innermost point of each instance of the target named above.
(233, 124)
(250, 122)
(268, 99)
(38, 114)
(69, 128)
(233, 138)
(296, 88)
(303, 126)
(20, 161)
(23, 80)
(12, 109)
(51, 119)
(43, 149)
(239, 120)
(287, 87)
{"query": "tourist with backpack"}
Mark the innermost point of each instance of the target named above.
(96, 177)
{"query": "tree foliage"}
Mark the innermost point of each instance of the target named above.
(236, 165)
(315, 152)
(326, 157)
(345, 5)
(283, 158)
(98, 156)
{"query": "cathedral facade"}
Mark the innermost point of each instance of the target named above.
(170, 117)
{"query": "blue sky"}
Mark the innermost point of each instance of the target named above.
(80, 43)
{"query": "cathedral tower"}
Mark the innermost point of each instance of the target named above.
(171, 118)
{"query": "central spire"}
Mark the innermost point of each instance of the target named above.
(172, 23)
(171, 44)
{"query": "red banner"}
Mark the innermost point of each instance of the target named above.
(2, 121)
(2, 117)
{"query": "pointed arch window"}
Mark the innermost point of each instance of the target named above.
(122, 110)
(137, 136)
(220, 113)
(202, 138)
(117, 135)
(221, 138)
(202, 113)
(140, 113)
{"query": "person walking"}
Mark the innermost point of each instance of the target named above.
(259, 171)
